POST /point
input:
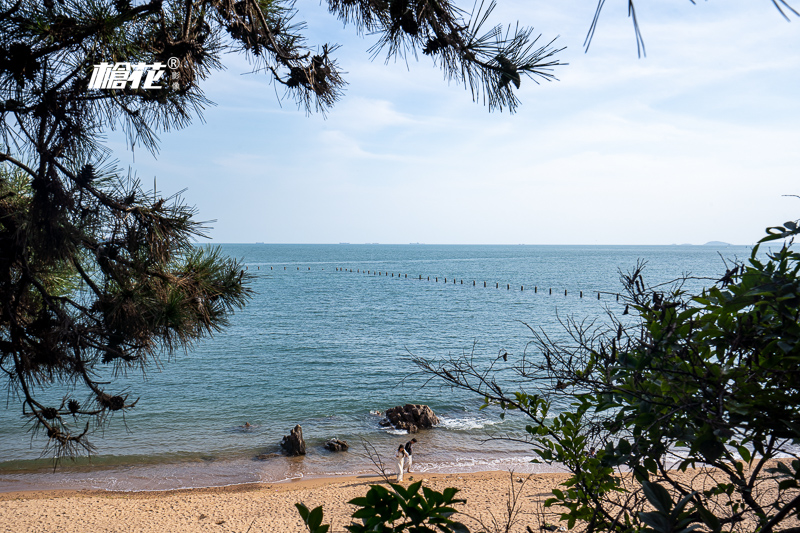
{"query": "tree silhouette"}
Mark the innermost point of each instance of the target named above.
(705, 381)
(97, 275)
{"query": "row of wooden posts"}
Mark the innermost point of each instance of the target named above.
(436, 279)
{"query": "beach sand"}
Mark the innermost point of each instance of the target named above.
(255, 508)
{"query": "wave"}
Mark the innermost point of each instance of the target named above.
(466, 423)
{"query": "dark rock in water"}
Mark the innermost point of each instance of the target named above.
(293, 443)
(266, 456)
(336, 445)
(384, 422)
(412, 418)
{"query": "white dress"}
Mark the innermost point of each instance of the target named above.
(401, 457)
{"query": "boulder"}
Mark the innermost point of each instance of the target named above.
(412, 417)
(293, 443)
(336, 445)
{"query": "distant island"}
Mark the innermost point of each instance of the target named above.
(717, 243)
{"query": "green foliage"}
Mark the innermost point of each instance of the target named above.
(668, 516)
(706, 381)
(714, 375)
(415, 509)
(312, 519)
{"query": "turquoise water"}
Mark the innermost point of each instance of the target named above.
(324, 344)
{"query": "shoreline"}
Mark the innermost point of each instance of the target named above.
(198, 474)
(295, 484)
(254, 507)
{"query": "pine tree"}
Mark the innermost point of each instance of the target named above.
(98, 276)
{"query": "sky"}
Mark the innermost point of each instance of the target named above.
(697, 141)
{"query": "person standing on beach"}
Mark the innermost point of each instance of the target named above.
(408, 446)
(401, 457)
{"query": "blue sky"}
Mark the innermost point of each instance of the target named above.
(696, 142)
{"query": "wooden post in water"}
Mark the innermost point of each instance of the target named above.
(484, 284)
(551, 291)
(565, 292)
(473, 282)
(521, 287)
(617, 296)
(496, 285)
(598, 295)
(581, 294)
(508, 286)
(535, 289)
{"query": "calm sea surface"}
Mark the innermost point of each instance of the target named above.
(323, 344)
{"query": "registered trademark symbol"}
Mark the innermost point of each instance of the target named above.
(173, 63)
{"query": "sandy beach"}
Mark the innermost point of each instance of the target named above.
(253, 508)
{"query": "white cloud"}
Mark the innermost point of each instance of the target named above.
(696, 142)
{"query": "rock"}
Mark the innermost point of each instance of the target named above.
(293, 443)
(336, 445)
(412, 417)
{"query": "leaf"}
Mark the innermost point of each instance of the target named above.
(744, 453)
(315, 518)
(658, 496)
(303, 510)
(458, 527)
(413, 489)
(365, 512)
(709, 519)
(657, 521)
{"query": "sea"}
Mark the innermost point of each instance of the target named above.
(327, 343)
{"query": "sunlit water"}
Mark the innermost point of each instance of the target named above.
(324, 345)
